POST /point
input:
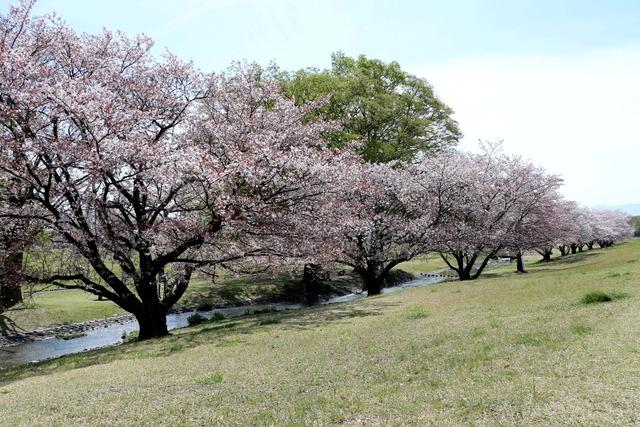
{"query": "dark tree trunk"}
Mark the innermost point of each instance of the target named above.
(374, 285)
(152, 322)
(590, 245)
(463, 271)
(11, 276)
(313, 277)
(151, 313)
(152, 303)
(546, 256)
(10, 296)
(373, 276)
(464, 274)
(465, 262)
(11, 280)
(564, 251)
(520, 264)
(574, 249)
(483, 265)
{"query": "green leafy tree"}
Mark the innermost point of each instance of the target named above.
(394, 113)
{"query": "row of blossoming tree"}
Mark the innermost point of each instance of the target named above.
(146, 171)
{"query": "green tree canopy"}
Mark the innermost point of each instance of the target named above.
(394, 113)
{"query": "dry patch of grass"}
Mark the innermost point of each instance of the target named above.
(506, 350)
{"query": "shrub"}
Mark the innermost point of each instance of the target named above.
(397, 277)
(217, 316)
(595, 297)
(70, 335)
(268, 321)
(215, 378)
(265, 310)
(196, 319)
(204, 306)
(600, 296)
(581, 329)
(416, 312)
(126, 337)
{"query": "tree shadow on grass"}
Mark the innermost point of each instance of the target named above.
(266, 289)
(338, 313)
(221, 333)
(564, 263)
(556, 264)
(234, 292)
(569, 259)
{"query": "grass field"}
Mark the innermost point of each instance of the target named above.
(507, 349)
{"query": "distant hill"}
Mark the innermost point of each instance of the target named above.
(631, 209)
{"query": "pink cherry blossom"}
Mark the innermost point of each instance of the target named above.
(151, 169)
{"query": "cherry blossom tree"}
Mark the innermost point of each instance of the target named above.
(610, 226)
(592, 226)
(538, 219)
(386, 220)
(555, 228)
(585, 234)
(487, 201)
(149, 169)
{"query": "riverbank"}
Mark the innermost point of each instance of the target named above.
(339, 286)
(63, 310)
(39, 347)
(507, 349)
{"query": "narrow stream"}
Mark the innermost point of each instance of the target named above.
(110, 335)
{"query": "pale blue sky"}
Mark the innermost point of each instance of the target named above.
(415, 33)
(557, 80)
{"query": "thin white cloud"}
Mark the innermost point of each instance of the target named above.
(577, 115)
(193, 9)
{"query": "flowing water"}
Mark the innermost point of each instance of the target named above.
(113, 334)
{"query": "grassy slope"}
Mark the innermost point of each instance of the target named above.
(504, 350)
(63, 307)
(59, 308)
